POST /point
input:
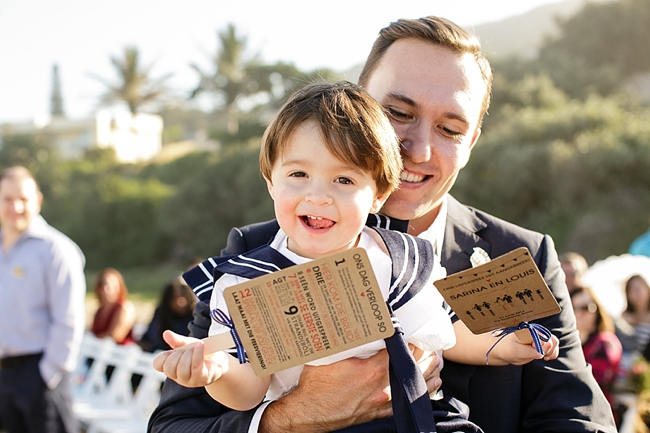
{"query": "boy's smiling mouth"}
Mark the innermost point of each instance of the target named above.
(317, 222)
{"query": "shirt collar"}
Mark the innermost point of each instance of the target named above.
(36, 229)
(436, 231)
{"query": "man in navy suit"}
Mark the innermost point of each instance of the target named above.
(435, 84)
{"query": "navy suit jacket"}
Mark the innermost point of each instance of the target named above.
(556, 396)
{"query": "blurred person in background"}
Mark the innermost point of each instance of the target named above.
(600, 345)
(174, 311)
(115, 315)
(42, 312)
(637, 311)
(574, 265)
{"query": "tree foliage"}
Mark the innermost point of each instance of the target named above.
(134, 85)
(578, 170)
(599, 47)
(563, 151)
(247, 90)
(226, 193)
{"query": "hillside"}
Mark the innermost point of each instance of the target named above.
(518, 35)
(521, 35)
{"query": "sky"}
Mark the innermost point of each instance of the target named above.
(81, 36)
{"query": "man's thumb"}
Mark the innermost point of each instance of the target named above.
(176, 340)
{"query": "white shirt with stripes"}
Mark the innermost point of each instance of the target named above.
(423, 319)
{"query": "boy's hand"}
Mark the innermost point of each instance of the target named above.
(187, 364)
(513, 351)
(551, 348)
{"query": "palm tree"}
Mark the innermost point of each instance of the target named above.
(239, 80)
(134, 85)
(234, 76)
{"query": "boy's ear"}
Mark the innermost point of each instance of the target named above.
(269, 186)
(379, 202)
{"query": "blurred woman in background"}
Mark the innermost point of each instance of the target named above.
(637, 312)
(174, 311)
(115, 315)
(600, 345)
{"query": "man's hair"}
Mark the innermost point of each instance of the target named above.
(438, 31)
(18, 172)
(354, 127)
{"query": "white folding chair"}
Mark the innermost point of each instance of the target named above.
(145, 399)
(114, 398)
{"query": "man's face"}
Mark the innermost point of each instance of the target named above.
(433, 97)
(20, 201)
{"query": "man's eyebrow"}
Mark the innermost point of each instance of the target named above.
(456, 116)
(402, 98)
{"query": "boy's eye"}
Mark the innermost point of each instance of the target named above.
(344, 180)
(297, 174)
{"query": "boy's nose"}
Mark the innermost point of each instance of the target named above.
(318, 196)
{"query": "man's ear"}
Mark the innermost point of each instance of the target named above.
(378, 202)
(477, 134)
(39, 199)
(470, 147)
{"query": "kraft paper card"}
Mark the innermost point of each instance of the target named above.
(501, 293)
(306, 312)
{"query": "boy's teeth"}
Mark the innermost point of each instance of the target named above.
(318, 222)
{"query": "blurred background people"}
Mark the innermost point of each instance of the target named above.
(637, 311)
(42, 289)
(115, 315)
(174, 312)
(600, 345)
(574, 265)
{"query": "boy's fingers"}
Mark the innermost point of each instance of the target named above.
(160, 359)
(551, 348)
(176, 340)
(171, 364)
(198, 358)
(184, 371)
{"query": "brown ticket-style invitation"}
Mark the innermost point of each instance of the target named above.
(501, 293)
(305, 312)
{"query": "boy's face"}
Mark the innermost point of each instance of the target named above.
(320, 202)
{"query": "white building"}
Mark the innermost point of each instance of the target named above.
(134, 138)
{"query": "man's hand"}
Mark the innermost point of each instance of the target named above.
(316, 404)
(186, 364)
(429, 364)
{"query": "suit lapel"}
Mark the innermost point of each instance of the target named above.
(461, 236)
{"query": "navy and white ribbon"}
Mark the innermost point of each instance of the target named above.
(223, 319)
(537, 331)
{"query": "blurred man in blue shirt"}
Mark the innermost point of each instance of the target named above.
(42, 288)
